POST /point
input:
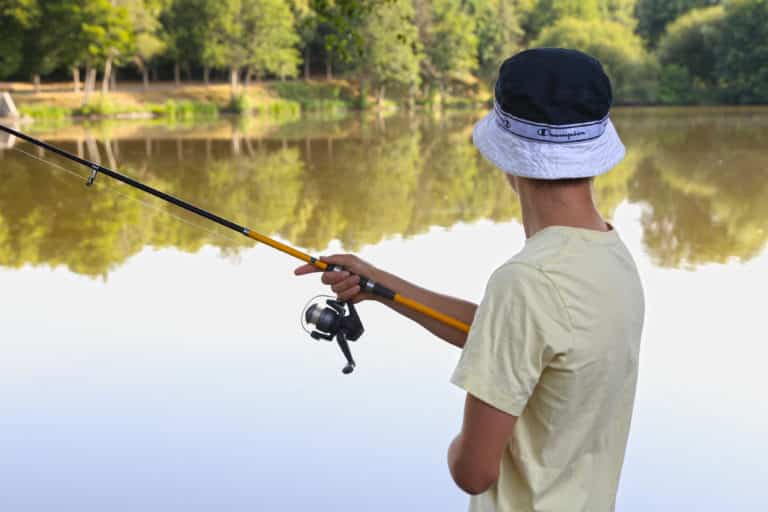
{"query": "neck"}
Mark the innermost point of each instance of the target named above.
(561, 203)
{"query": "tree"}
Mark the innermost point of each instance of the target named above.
(146, 28)
(539, 14)
(450, 43)
(271, 38)
(392, 52)
(16, 17)
(742, 52)
(498, 32)
(654, 15)
(306, 21)
(632, 70)
(621, 11)
(688, 52)
(186, 25)
(254, 33)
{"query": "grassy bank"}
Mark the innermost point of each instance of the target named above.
(191, 101)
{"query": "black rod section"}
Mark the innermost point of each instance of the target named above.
(128, 181)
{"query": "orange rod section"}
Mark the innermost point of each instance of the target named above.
(286, 249)
(421, 308)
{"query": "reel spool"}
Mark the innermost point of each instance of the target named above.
(326, 318)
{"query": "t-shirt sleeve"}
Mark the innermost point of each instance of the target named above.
(519, 327)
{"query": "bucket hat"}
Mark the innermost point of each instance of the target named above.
(550, 118)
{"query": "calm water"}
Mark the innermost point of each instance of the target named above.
(151, 361)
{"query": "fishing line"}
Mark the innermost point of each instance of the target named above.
(114, 190)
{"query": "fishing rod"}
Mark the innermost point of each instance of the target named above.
(331, 320)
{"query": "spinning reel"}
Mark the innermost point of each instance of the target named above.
(326, 318)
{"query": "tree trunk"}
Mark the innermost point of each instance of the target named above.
(380, 96)
(106, 77)
(328, 68)
(36, 81)
(248, 73)
(76, 78)
(145, 78)
(90, 83)
(207, 75)
(177, 74)
(233, 78)
(306, 62)
(113, 80)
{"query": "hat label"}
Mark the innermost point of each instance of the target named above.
(549, 133)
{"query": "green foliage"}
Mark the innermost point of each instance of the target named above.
(149, 41)
(185, 26)
(240, 104)
(282, 109)
(742, 54)
(632, 70)
(17, 17)
(45, 112)
(499, 34)
(269, 28)
(691, 42)
(342, 20)
(254, 33)
(187, 110)
(450, 43)
(315, 96)
(676, 87)
(654, 15)
(690, 51)
(105, 107)
(392, 52)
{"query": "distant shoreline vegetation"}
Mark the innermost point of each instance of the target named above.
(199, 102)
(369, 53)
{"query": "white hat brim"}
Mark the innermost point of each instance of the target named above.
(545, 160)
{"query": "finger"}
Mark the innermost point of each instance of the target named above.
(334, 277)
(345, 260)
(346, 284)
(349, 293)
(306, 269)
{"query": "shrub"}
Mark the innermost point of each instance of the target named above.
(45, 112)
(240, 104)
(188, 110)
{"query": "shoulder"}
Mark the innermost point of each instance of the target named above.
(526, 290)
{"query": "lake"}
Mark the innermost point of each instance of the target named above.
(154, 361)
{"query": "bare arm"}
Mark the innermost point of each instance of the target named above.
(475, 454)
(345, 285)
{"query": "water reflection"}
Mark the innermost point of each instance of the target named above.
(701, 176)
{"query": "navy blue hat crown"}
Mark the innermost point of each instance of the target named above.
(553, 86)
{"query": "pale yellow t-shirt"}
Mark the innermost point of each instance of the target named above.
(555, 341)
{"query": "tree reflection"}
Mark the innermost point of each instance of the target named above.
(702, 181)
(705, 184)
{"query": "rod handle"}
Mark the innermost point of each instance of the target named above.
(366, 285)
